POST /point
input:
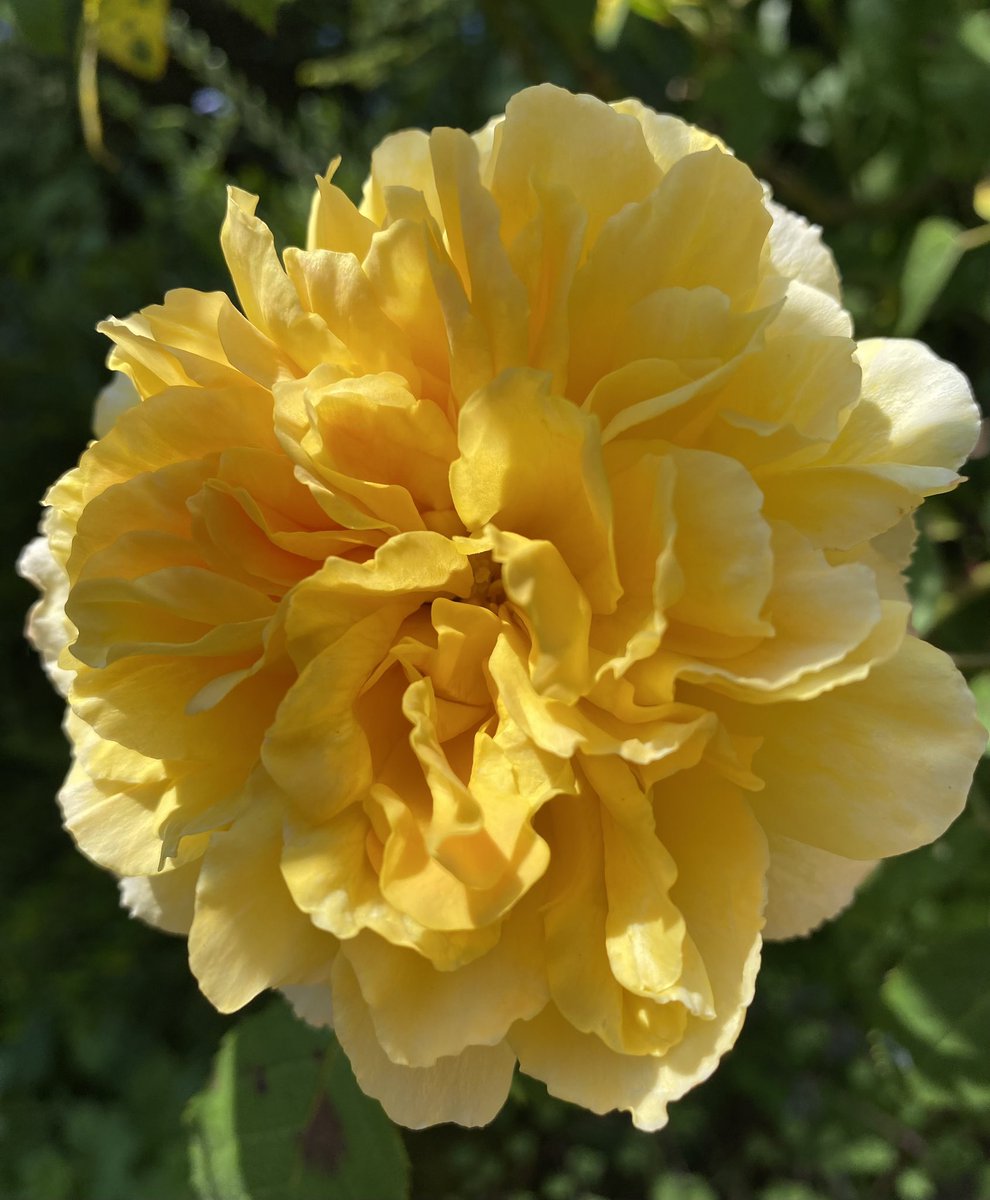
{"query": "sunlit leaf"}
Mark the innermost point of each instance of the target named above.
(610, 20)
(283, 1119)
(981, 199)
(980, 687)
(931, 259)
(974, 34)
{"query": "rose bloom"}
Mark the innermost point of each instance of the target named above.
(494, 627)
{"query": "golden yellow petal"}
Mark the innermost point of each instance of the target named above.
(334, 222)
(511, 434)
(595, 153)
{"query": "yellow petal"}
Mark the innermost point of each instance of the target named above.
(468, 1088)
(165, 900)
(556, 611)
(880, 767)
(421, 1014)
(335, 287)
(409, 570)
(267, 297)
(399, 270)
(670, 239)
(644, 932)
(580, 144)
(471, 222)
(819, 614)
(531, 464)
(721, 858)
(371, 441)
(806, 886)
(722, 546)
(914, 424)
(332, 878)
(334, 222)
(400, 160)
(247, 934)
(144, 703)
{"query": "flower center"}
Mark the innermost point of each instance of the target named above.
(487, 589)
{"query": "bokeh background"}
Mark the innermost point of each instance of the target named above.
(864, 1066)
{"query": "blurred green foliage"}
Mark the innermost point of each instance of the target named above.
(862, 1070)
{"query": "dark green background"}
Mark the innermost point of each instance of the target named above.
(870, 117)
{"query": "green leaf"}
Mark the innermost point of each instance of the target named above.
(938, 1001)
(283, 1119)
(44, 24)
(931, 258)
(974, 34)
(264, 13)
(926, 583)
(979, 685)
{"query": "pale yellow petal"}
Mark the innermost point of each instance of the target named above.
(468, 1088)
(48, 628)
(797, 251)
(806, 886)
(668, 137)
(247, 934)
(165, 900)
(874, 768)
(334, 222)
(421, 1014)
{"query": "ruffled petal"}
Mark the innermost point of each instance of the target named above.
(468, 1088)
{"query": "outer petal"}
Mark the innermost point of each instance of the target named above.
(917, 411)
(874, 768)
(577, 143)
(421, 1014)
(469, 1088)
(806, 886)
(165, 900)
(48, 628)
(247, 934)
(721, 855)
(797, 251)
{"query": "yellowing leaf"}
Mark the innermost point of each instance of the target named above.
(981, 199)
(133, 35)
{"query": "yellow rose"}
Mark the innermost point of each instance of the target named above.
(491, 625)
